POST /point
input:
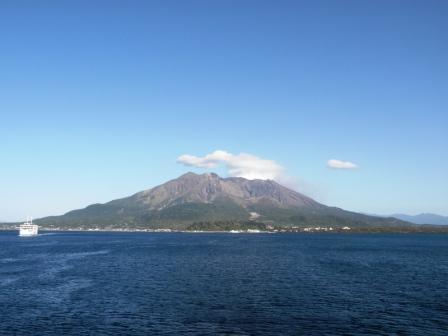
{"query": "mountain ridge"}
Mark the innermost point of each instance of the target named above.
(423, 218)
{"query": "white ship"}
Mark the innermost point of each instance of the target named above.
(28, 229)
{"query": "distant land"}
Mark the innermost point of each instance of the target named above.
(208, 202)
(424, 218)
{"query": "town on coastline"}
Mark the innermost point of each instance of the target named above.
(212, 228)
(194, 228)
(269, 230)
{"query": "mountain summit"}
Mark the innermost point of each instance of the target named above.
(207, 197)
(210, 188)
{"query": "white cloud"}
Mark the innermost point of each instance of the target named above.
(242, 165)
(338, 164)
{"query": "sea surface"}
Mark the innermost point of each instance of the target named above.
(224, 284)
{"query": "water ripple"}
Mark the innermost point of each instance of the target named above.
(204, 284)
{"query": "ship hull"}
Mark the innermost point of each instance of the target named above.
(27, 234)
(29, 231)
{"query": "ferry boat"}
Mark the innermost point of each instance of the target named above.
(28, 229)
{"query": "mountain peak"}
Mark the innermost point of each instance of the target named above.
(192, 174)
(188, 174)
(210, 188)
(216, 176)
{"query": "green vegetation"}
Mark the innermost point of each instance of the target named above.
(227, 226)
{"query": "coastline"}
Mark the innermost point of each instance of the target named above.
(424, 229)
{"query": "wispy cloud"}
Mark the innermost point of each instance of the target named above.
(338, 164)
(241, 165)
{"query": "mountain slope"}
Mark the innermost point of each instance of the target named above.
(195, 198)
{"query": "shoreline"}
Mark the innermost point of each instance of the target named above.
(425, 230)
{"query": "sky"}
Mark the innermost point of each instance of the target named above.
(345, 101)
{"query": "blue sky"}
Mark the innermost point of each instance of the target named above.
(99, 98)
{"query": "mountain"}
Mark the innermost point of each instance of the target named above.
(193, 198)
(424, 218)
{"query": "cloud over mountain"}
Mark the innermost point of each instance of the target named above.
(338, 164)
(242, 165)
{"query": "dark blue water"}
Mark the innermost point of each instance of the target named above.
(229, 284)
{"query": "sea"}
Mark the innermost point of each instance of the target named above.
(98, 283)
